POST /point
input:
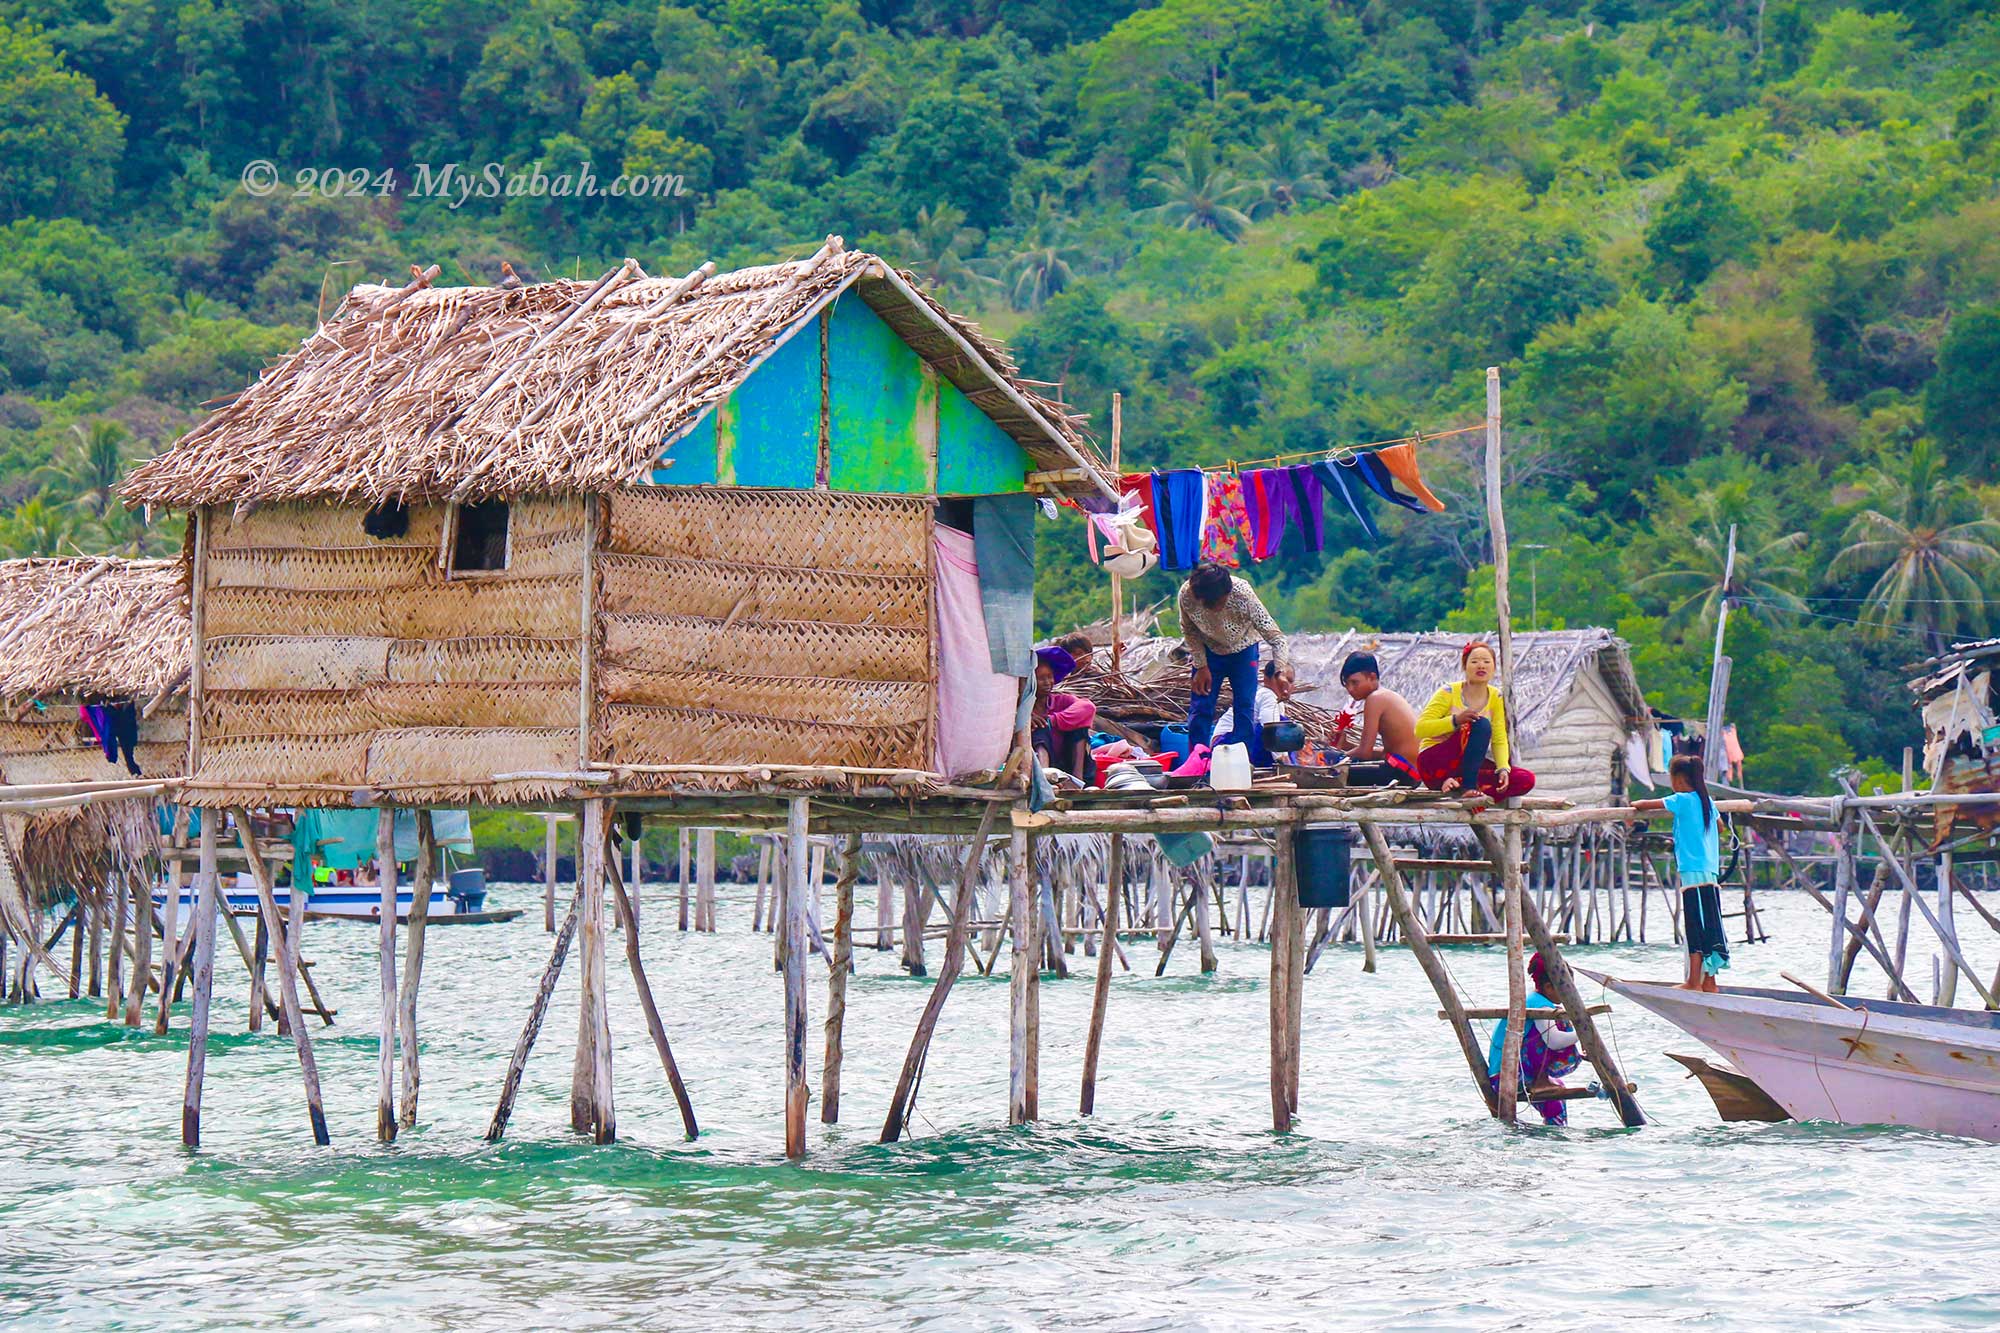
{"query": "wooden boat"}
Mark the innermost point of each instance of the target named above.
(1858, 1062)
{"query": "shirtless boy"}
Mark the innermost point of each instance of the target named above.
(1386, 753)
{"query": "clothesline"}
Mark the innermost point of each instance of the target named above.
(1348, 450)
(1232, 515)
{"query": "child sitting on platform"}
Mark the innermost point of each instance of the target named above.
(1698, 853)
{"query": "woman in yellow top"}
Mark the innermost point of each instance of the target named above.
(1462, 734)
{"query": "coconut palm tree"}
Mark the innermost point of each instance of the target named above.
(37, 527)
(1692, 577)
(94, 465)
(1045, 263)
(1930, 567)
(1287, 170)
(1198, 192)
(936, 248)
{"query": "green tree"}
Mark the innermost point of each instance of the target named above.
(936, 250)
(95, 463)
(957, 146)
(1690, 574)
(1494, 284)
(1696, 230)
(1960, 407)
(1287, 170)
(39, 528)
(1931, 562)
(60, 139)
(1624, 391)
(1197, 192)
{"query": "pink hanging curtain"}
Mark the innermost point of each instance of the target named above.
(975, 704)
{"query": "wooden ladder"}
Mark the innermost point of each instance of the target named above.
(1522, 916)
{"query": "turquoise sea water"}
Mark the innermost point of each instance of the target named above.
(1397, 1203)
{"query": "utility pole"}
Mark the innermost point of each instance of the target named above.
(1713, 760)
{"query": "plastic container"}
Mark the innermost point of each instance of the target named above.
(1283, 737)
(1324, 856)
(1174, 741)
(1229, 768)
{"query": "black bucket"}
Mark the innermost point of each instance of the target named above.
(1323, 854)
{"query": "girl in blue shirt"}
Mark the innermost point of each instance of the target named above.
(1698, 853)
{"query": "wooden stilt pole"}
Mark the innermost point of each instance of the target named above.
(76, 948)
(1202, 889)
(260, 953)
(704, 874)
(836, 977)
(413, 962)
(1021, 906)
(654, 1024)
(903, 1102)
(537, 1011)
(1284, 924)
(119, 905)
(1517, 977)
(1843, 885)
(288, 979)
(682, 878)
(549, 873)
(96, 988)
(170, 929)
(385, 948)
(916, 911)
(142, 937)
(792, 938)
(1295, 995)
(1107, 954)
(204, 982)
(591, 1110)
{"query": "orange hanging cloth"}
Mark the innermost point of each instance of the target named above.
(1401, 460)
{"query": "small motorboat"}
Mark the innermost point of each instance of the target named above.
(1855, 1061)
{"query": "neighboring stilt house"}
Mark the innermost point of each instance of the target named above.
(621, 546)
(89, 646)
(1577, 707)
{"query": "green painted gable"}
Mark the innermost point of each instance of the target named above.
(894, 425)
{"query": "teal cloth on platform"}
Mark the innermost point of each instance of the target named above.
(346, 838)
(1184, 849)
(1003, 542)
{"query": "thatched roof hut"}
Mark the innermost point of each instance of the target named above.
(1576, 700)
(470, 545)
(74, 632)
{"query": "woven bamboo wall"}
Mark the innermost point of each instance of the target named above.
(740, 626)
(333, 659)
(52, 745)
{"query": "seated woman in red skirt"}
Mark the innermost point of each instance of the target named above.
(1462, 734)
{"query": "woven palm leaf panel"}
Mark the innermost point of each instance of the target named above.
(52, 744)
(741, 626)
(336, 659)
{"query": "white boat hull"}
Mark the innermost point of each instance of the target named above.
(358, 902)
(1875, 1064)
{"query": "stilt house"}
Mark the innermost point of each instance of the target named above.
(488, 544)
(74, 632)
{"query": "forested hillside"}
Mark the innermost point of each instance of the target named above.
(1738, 261)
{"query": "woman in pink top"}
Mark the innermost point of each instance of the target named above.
(1060, 727)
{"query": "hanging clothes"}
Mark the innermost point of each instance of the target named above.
(1401, 460)
(1375, 475)
(1264, 533)
(1178, 499)
(116, 727)
(1335, 477)
(1637, 760)
(1003, 538)
(1140, 486)
(1304, 497)
(1225, 532)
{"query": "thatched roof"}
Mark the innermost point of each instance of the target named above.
(92, 625)
(1546, 665)
(559, 387)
